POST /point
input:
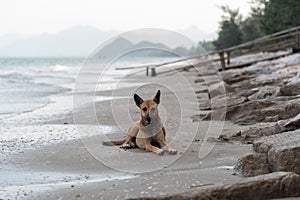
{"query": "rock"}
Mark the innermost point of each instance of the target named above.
(212, 139)
(282, 150)
(243, 85)
(261, 110)
(268, 186)
(290, 90)
(257, 67)
(296, 79)
(291, 59)
(219, 88)
(224, 100)
(248, 92)
(233, 76)
(266, 92)
(287, 125)
(292, 108)
(272, 118)
(250, 111)
(205, 106)
(223, 138)
(253, 165)
(285, 158)
(259, 131)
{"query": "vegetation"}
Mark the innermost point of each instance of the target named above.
(230, 33)
(266, 17)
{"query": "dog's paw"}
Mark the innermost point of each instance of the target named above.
(132, 144)
(172, 151)
(160, 152)
(125, 146)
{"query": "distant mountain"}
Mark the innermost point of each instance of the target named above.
(73, 42)
(80, 41)
(121, 45)
(116, 47)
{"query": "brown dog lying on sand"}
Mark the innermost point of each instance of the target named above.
(148, 133)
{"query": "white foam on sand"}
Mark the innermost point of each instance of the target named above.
(38, 182)
(18, 139)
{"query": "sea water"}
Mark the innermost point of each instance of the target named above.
(28, 85)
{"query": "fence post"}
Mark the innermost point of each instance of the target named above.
(296, 48)
(153, 72)
(222, 59)
(147, 71)
(298, 39)
(228, 57)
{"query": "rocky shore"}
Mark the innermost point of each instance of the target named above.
(267, 96)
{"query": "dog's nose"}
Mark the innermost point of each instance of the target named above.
(148, 119)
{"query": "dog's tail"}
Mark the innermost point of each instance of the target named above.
(113, 143)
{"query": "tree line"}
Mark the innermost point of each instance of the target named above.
(266, 17)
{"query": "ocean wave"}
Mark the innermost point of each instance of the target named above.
(55, 68)
(14, 77)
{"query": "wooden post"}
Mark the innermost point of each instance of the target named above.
(296, 49)
(298, 39)
(147, 71)
(153, 72)
(228, 57)
(222, 59)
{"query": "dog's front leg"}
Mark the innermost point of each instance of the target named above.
(171, 150)
(154, 149)
(128, 142)
(132, 132)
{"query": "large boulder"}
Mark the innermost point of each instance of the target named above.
(287, 125)
(261, 110)
(296, 79)
(253, 165)
(219, 88)
(266, 92)
(252, 111)
(256, 132)
(290, 90)
(282, 150)
(268, 186)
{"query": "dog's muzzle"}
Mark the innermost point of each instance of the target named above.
(147, 119)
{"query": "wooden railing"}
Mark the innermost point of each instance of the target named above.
(289, 38)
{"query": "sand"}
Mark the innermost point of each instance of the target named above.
(78, 166)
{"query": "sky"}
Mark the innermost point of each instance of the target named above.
(51, 16)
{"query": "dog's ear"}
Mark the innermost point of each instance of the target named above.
(156, 99)
(138, 100)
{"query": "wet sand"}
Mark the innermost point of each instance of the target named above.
(80, 167)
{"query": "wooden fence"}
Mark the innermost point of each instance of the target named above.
(282, 40)
(289, 38)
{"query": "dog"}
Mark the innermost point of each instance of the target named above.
(148, 133)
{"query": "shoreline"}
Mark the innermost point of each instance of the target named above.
(149, 175)
(178, 168)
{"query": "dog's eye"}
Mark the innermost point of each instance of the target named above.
(144, 109)
(152, 109)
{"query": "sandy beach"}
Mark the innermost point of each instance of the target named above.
(78, 165)
(68, 161)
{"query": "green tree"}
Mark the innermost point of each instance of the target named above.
(229, 34)
(250, 29)
(276, 15)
